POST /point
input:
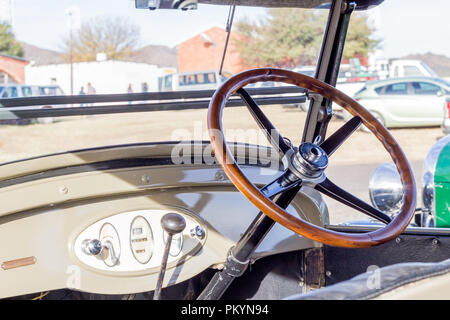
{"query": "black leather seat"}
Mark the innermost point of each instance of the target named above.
(374, 283)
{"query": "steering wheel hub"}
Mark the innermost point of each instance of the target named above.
(310, 160)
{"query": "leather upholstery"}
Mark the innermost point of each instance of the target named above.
(376, 282)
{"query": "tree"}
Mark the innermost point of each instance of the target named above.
(8, 43)
(117, 37)
(359, 41)
(291, 37)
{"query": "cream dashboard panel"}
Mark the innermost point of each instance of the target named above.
(53, 239)
(43, 243)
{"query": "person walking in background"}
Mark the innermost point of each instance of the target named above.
(90, 89)
(130, 90)
(144, 87)
(82, 93)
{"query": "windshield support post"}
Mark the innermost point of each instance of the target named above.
(327, 70)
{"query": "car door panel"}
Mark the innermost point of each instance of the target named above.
(400, 104)
(429, 102)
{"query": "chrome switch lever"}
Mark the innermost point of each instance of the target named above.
(95, 247)
(108, 245)
(172, 223)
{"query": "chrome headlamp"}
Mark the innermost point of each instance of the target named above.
(386, 189)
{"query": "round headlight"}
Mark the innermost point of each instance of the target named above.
(428, 190)
(385, 189)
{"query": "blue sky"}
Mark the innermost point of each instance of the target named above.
(406, 26)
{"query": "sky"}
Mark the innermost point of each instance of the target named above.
(405, 26)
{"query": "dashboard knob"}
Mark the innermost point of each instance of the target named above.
(92, 247)
(173, 223)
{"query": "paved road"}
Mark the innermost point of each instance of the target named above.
(355, 179)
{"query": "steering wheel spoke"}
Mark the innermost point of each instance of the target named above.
(333, 191)
(333, 142)
(284, 182)
(273, 135)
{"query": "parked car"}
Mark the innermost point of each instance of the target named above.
(404, 102)
(11, 91)
(386, 189)
(196, 80)
(309, 71)
(306, 70)
(51, 90)
(23, 90)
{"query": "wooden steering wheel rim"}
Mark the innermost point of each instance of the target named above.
(304, 228)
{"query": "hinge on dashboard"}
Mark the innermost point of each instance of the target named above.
(313, 268)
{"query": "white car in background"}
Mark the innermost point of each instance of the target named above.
(307, 71)
(194, 80)
(446, 122)
(22, 90)
(405, 102)
(11, 91)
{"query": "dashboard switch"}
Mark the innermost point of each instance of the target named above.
(92, 246)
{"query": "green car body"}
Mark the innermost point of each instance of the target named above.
(405, 102)
(436, 184)
(442, 188)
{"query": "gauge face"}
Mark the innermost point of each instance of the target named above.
(110, 238)
(141, 239)
(176, 245)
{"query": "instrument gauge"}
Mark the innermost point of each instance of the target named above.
(141, 239)
(176, 245)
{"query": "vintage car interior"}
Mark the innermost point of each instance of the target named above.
(197, 219)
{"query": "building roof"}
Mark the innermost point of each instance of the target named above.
(14, 57)
(200, 31)
(160, 56)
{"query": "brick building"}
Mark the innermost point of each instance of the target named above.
(12, 69)
(204, 52)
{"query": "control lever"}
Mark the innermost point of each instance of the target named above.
(108, 245)
(172, 223)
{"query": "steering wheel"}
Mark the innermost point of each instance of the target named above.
(308, 162)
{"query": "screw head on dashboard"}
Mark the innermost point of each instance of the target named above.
(145, 178)
(63, 190)
(198, 232)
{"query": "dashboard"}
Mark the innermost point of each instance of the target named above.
(90, 220)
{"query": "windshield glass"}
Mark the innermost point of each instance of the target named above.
(160, 51)
(103, 47)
